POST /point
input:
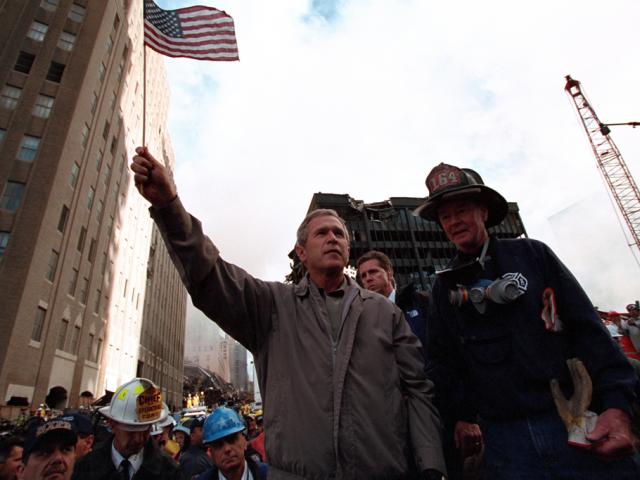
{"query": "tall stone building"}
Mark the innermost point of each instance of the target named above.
(75, 237)
(206, 345)
(238, 365)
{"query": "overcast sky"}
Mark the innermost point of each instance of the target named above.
(364, 97)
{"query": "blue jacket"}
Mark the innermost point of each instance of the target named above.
(415, 306)
(505, 357)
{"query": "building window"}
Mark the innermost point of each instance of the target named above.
(90, 196)
(116, 23)
(94, 103)
(75, 172)
(37, 31)
(84, 290)
(81, 239)
(99, 156)
(24, 62)
(43, 106)
(10, 96)
(67, 41)
(75, 337)
(112, 101)
(28, 148)
(52, 265)
(103, 267)
(107, 174)
(62, 334)
(90, 347)
(12, 196)
(114, 145)
(105, 130)
(101, 72)
(99, 210)
(73, 282)
(120, 70)
(38, 324)
(55, 72)
(84, 135)
(109, 45)
(62, 221)
(50, 5)
(77, 12)
(98, 351)
(92, 250)
(4, 242)
(96, 306)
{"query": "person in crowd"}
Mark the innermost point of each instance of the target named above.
(226, 441)
(161, 435)
(506, 316)
(131, 454)
(252, 428)
(182, 436)
(49, 451)
(84, 429)
(257, 444)
(340, 372)
(194, 460)
(10, 457)
(375, 273)
(56, 399)
(633, 324)
(86, 400)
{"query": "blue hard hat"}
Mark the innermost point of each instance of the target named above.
(222, 423)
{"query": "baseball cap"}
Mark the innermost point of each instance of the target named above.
(56, 428)
(81, 422)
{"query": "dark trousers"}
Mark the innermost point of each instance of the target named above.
(536, 448)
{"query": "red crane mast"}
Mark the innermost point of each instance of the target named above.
(610, 161)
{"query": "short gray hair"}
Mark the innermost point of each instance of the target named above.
(303, 230)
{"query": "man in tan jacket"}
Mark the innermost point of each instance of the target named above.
(340, 372)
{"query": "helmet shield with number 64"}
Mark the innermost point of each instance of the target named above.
(449, 183)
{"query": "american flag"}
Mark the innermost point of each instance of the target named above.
(203, 33)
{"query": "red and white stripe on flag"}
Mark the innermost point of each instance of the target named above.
(202, 33)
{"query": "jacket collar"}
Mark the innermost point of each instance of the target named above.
(104, 467)
(303, 286)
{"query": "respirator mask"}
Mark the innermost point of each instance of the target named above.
(466, 286)
(500, 291)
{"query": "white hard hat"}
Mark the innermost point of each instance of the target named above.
(156, 428)
(136, 405)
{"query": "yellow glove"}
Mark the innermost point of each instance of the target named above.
(573, 412)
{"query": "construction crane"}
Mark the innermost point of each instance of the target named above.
(610, 162)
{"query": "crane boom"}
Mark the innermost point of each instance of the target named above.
(610, 161)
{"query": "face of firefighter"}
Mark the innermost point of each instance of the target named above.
(228, 453)
(128, 443)
(53, 460)
(463, 224)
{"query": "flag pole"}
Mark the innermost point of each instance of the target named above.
(144, 94)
